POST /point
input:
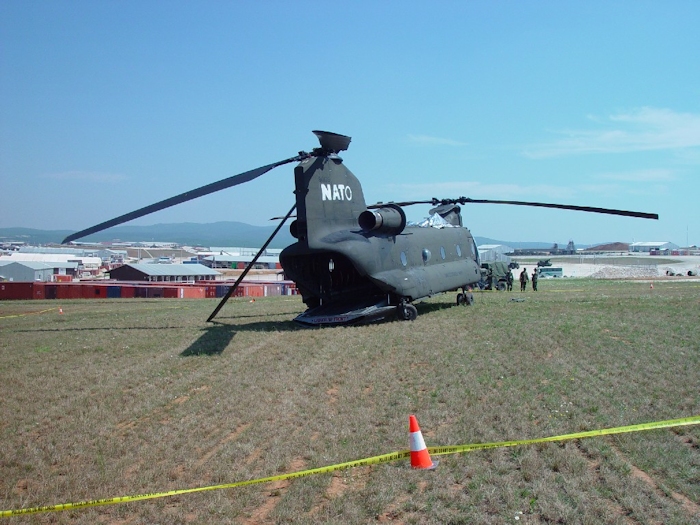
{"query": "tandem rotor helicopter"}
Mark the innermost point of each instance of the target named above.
(354, 263)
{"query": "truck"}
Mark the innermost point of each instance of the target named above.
(493, 275)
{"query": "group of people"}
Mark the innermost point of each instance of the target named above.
(524, 279)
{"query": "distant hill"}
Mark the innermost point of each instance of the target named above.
(610, 247)
(226, 233)
(31, 236)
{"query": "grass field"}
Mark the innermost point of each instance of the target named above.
(122, 397)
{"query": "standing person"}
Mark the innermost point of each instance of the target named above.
(534, 280)
(523, 280)
(509, 280)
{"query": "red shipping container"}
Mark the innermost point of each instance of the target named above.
(254, 290)
(194, 292)
(154, 291)
(63, 278)
(128, 291)
(51, 291)
(12, 290)
(87, 291)
(39, 290)
(171, 293)
(68, 291)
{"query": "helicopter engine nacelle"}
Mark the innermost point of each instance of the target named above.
(389, 219)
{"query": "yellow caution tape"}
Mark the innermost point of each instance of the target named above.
(385, 458)
(694, 420)
(29, 313)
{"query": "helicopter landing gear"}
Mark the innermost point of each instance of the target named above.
(465, 299)
(406, 311)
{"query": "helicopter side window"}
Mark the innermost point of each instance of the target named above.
(404, 261)
(442, 253)
(459, 250)
(426, 255)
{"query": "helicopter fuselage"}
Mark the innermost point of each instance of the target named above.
(348, 259)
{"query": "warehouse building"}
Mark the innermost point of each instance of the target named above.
(652, 247)
(494, 252)
(178, 273)
(241, 261)
(88, 265)
(30, 271)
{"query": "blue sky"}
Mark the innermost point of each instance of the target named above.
(109, 106)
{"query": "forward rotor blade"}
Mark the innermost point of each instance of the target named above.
(467, 200)
(250, 265)
(184, 197)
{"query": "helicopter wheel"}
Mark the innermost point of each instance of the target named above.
(465, 299)
(407, 312)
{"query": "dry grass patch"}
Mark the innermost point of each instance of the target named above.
(118, 397)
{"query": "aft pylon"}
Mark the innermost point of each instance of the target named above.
(420, 458)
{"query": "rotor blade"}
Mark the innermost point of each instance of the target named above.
(250, 265)
(405, 203)
(184, 197)
(591, 209)
(467, 200)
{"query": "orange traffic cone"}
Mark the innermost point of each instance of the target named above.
(651, 286)
(420, 458)
(60, 310)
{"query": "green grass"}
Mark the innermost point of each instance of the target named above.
(119, 397)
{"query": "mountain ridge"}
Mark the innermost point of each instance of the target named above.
(222, 233)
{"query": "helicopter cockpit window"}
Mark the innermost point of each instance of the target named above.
(442, 253)
(404, 261)
(459, 250)
(426, 255)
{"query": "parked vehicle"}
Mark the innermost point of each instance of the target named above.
(493, 276)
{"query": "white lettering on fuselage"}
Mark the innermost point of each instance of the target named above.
(336, 192)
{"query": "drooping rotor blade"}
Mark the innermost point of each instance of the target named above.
(184, 197)
(609, 211)
(250, 265)
(467, 200)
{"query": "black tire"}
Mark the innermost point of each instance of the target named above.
(408, 312)
(461, 299)
(470, 298)
(501, 287)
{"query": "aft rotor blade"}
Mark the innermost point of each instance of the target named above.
(609, 211)
(467, 200)
(184, 197)
(250, 265)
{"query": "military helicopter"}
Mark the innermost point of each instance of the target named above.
(354, 263)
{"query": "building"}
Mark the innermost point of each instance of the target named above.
(494, 252)
(178, 273)
(29, 271)
(241, 261)
(239, 258)
(652, 246)
(87, 265)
